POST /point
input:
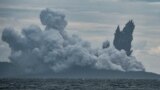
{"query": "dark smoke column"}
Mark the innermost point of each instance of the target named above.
(123, 39)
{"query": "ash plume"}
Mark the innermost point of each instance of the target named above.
(123, 39)
(39, 50)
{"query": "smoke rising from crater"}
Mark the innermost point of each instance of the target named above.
(39, 50)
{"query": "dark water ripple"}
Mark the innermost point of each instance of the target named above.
(79, 84)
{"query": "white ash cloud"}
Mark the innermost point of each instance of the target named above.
(38, 50)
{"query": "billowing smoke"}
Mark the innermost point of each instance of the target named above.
(39, 50)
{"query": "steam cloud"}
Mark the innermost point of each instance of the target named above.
(39, 50)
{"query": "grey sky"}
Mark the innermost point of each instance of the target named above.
(93, 20)
(147, 0)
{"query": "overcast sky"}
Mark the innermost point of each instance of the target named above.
(93, 20)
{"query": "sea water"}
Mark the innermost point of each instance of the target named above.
(79, 84)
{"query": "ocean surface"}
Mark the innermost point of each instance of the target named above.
(79, 84)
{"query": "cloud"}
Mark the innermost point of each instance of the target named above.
(149, 57)
(5, 53)
(125, 0)
(147, 0)
(87, 25)
(39, 50)
(155, 51)
(20, 13)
